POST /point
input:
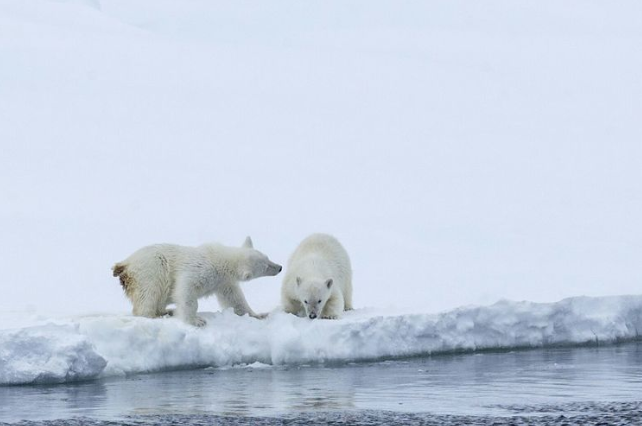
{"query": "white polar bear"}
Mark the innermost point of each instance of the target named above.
(318, 281)
(157, 275)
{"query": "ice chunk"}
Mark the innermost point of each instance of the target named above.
(47, 354)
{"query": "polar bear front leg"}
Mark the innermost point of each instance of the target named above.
(186, 304)
(293, 306)
(231, 296)
(333, 307)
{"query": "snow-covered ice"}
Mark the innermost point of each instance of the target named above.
(98, 346)
(47, 354)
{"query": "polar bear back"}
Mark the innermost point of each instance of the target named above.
(165, 257)
(160, 263)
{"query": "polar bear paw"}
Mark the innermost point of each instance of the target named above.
(198, 322)
(330, 317)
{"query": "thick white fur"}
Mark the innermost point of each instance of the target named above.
(320, 274)
(157, 275)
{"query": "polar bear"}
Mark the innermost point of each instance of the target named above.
(157, 275)
(318, 281)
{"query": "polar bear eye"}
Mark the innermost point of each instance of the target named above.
(319, 301)
(305, 301)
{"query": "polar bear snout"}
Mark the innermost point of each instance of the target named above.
(274, 269)
(312, 315)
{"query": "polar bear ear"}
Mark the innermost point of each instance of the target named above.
(248, 243)
(329, 282)
(298, 280)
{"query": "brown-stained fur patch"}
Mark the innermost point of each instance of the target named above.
(125, 280)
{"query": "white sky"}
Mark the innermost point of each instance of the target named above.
(463, 153)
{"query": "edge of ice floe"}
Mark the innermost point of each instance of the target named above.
(86, 348)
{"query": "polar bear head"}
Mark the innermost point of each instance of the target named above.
(313, 294)
(254, 264)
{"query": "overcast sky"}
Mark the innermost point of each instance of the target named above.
(462, 154)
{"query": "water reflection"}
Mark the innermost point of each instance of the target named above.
(49, 401)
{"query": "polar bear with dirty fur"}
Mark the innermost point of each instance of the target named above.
(318, 280)
(158, 275)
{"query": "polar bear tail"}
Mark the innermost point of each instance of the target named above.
(120, 271)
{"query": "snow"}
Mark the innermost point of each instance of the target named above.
(90, 347)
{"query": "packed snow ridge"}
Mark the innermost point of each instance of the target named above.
(91, 347)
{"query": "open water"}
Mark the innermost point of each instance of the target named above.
(578, 386)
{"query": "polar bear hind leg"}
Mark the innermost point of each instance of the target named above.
(146, 293)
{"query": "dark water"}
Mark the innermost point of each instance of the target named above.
(550, 386)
